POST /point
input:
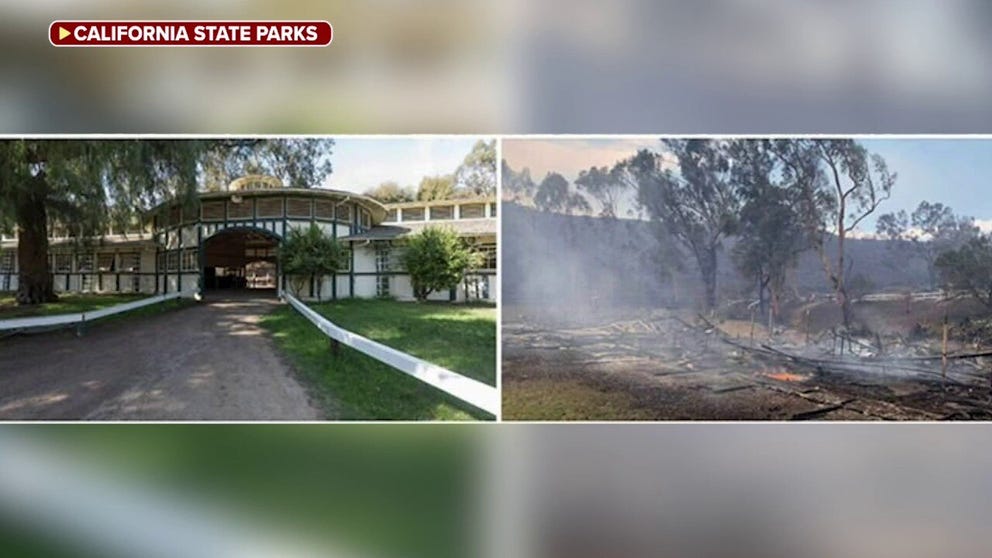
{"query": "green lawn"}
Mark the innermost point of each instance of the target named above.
(355, 386)
(75, 303)
(67, 304)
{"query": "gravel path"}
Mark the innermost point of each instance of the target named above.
(211, 361)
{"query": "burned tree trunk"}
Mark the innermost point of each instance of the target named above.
(706, 259)
(34, 284)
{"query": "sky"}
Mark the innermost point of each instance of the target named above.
(364, 163)
(955, 172)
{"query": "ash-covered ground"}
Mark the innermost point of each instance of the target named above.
(643, 364)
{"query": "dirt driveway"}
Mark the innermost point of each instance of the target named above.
(211, 361)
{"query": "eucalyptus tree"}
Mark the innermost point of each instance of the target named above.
(555, 194)
(84, 186)
(769, 233)
(840, 184)
(606, 185)
(391, 192)
(517, 186)
(439, 187)
(476, 176)
(968, 268)
(930, 230)
(687, 188)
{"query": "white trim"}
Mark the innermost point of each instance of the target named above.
(471, 391)
(82, 317)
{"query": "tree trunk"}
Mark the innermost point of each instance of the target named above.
(845, 305)
(762, 301)
(840, 288)
(34, 282)
(707, 268)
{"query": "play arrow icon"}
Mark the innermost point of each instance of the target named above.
(63, 32)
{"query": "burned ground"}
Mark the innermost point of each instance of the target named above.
(668, 365)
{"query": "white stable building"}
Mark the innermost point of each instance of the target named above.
(228, 240)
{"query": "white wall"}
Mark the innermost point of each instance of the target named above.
(365, 286)
(364, 259)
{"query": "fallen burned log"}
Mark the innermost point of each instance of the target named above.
(853, 364)
(962, 356)
(860, 365)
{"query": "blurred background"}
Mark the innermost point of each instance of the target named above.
(435, 66)
(580, 66)
(541, 491)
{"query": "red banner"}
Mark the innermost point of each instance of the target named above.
(190, 33)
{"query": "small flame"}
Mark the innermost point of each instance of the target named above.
(784, 376)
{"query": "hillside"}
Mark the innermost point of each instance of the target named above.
(551, 258)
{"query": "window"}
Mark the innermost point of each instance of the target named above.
(492, 210)
(488, 252)
(413, 213)
(260, 253)
(7, 261)
(130, 261)
(298, 207)
(382, 253)
(323, 209)
(172, 261)
(345, 261)
(442, 212)
(6, 268)
(212, 211)
(176, 215)
(191, 260)
(366, 219)
(105, 262)
(84, 262)
(343, 213)
(392, 216)
(161, 261)
(241, 210)
(268, 207)
(63, 263)
(472, 211)
(382, 286)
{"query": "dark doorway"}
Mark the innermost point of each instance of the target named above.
(240, 259)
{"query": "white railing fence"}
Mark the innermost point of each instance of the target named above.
(473, 392)
(80, 318)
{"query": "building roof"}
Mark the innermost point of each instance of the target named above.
(464, 227)
(377, 209)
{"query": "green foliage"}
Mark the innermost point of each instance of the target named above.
(769, 232)
(930, 230)
(310, 252)
(839, 184)
(441, 187)
(697, 205)
(969, 269)
(437, 259)
(391, 192)
(84, 186)
(477, 174)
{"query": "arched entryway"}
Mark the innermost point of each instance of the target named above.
(241, 259)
